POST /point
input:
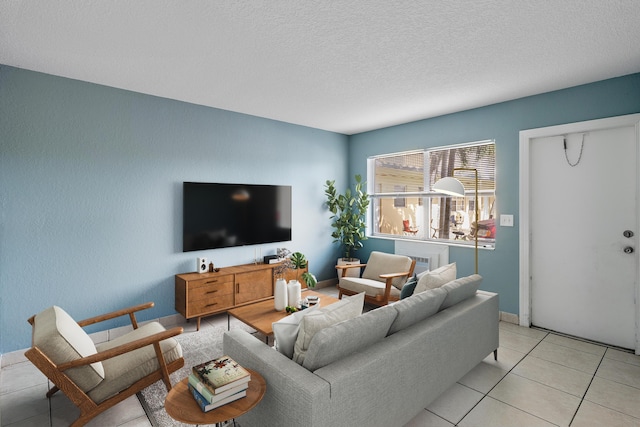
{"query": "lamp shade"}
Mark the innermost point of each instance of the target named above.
(449, 186)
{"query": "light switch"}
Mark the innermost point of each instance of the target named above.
(506, 220)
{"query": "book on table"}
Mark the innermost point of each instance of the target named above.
(206, 406)
(207, 395)
(221, 374)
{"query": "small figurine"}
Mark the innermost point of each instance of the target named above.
(211, 267)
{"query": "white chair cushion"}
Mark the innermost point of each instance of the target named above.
(63, 340)
(122, 371)
(436, 278)
(285, 330)
(370, 287)
(384, 263)
(346, 308)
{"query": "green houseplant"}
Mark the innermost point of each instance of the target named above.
(349, 214)
(294, 261)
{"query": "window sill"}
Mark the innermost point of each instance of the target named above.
(451, 243)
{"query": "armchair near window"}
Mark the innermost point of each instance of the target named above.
(382, 280)
(407, 229)
(97, 377)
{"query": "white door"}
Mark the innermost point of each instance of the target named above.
(582, 280)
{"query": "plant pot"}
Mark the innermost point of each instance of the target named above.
(352, 272)
(280, 295)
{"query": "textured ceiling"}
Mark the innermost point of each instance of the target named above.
(344, 66)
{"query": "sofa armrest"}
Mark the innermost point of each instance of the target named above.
(294, 397)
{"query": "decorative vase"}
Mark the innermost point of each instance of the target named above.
(294, 292)
(280, 294)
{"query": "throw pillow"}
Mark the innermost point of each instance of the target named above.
(285, 330)
(409, 287)
(348, 337)
(460, 289)
(436, 278)
(345, 309)
(416, 308)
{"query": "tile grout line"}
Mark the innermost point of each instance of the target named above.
(588, 386)
(501, 379)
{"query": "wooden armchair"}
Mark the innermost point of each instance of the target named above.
(382, 279)
(97, 377)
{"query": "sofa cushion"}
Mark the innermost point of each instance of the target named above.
(409, 287)
(346, 308)
(348, 337)
(416, 308)
(122, 371)
(436, 278)
(63, 340)
(460, 289)
(285, 330)
(384, 263)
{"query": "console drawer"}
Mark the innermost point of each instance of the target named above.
(208, 288)
(211, 304)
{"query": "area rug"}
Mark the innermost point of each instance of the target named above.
(197, 347)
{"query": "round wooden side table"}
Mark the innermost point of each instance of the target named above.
(181, 405)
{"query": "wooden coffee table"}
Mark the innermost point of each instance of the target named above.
(181, 405)
(261, 315)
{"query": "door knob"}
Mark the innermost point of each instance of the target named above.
(627, 233)
(628, 250)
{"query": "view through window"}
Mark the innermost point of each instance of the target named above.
(403, 203)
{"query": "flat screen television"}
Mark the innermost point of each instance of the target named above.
(218, 215)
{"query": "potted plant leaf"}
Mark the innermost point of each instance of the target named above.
(299, 262)
(348, 220)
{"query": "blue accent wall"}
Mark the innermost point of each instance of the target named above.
(91, 193)
(501, 122)
(91, 201)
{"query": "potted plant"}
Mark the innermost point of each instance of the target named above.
(289, 294)
(294, 261)
(348, 220)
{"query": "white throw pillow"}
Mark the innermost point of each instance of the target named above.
(436, 278)
(346, 308)
(285, 330)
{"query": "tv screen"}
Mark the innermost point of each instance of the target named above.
(217, 215)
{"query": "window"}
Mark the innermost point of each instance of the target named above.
(401, 206)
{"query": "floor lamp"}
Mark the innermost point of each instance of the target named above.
(451, 186)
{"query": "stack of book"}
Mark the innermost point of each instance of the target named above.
(218, 382)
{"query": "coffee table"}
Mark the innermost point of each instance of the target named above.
(261, 315)
(181, 405)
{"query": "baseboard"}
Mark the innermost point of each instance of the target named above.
(327, 283)
(509, 317)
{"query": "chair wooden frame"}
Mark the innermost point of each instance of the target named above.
(88, 408)
(378, 300)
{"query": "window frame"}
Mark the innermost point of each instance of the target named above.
(426, 197)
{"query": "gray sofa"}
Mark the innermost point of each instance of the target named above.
(386, 382)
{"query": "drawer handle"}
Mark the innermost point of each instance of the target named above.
(212, 292)
(212, 281)
(212, 304)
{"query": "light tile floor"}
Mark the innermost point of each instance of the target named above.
(540, 379)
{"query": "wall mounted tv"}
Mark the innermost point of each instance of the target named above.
(217, 215)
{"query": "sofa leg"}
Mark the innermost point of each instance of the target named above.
(495, 354)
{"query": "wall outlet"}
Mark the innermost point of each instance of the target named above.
(506, 220)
